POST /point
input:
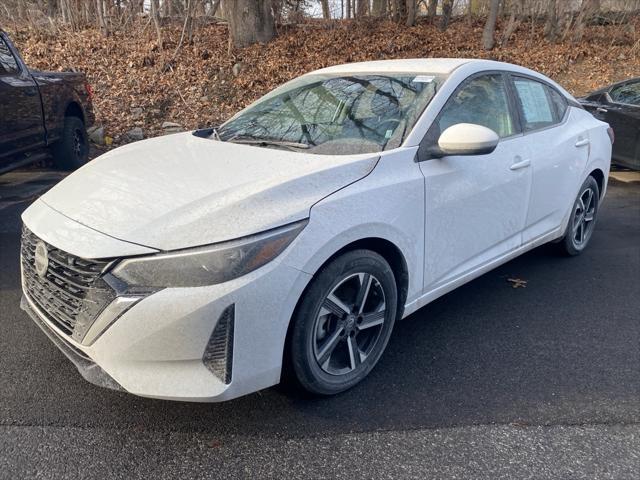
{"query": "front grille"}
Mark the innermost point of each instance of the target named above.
(70, 292)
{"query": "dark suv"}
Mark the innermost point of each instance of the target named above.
(42, 114)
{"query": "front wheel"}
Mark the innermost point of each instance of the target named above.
(583, 218)
(343, 322)
(72, 150)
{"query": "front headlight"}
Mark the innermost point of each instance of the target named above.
(208, 265)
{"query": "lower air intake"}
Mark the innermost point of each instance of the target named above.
(218, 356)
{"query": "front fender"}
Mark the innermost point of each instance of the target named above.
(387, 204)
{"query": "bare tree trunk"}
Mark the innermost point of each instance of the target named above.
(155, 14)
(551, 25)
(379, 8)
(490, 26)
(191, 9)
(214, 8)
(588, 10)
(167, 8)
(326, 13)
(362, 8)
(515, 17)
(100, 16)
(447, 6)
(348, 10)
(432, 9)
(411, 13)
(250, 21)
(52, 8)
(399, 10)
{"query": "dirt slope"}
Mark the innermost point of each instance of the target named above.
(137, 85)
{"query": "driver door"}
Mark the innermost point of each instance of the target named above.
(476, 205)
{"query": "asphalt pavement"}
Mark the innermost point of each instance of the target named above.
(489, 381)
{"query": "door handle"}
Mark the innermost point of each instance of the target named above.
(30, 91)
(601, 110)
(582, 142)
(520, 164)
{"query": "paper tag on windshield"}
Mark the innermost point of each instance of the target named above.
(424, 79)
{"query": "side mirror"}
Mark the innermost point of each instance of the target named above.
(466, 139)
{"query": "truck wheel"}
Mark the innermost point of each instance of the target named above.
(72, 150)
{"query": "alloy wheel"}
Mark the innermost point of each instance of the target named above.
(79, 145)
(583, 217)
(349, 323)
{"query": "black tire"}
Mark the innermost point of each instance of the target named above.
(580, 229)
(72, 150)
(354, 275)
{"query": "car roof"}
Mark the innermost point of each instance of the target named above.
(437, 66)
(412, 65)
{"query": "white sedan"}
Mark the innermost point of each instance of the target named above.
(201, 266)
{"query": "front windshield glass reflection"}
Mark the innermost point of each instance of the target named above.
(329, 114)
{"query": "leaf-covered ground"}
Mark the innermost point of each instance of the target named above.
(137, 85)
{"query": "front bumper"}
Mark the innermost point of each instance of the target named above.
(158, 348)
(87, 367)
(164, 345)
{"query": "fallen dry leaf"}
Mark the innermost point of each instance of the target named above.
(517, 282)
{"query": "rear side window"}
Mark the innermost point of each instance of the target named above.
(559, 103)
(8, 62)
(537, 109)
(628, 93)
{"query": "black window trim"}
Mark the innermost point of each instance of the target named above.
(562, 121)
(511, 102)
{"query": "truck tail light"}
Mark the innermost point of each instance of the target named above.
(612, 136)
(89, 90)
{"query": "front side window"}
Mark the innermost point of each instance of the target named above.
(629, 93)
(536, 108)
(8, 62)
(483, 100)
(331, 114)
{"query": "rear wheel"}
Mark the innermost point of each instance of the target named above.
(72, 150)
(583, 218)
(343, 322)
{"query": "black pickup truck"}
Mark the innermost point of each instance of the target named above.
(42, 114)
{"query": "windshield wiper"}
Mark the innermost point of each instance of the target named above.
(215, 134)
(268, 141)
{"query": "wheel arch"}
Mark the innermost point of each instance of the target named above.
(385, 248)
(73, 109)
(598, 175)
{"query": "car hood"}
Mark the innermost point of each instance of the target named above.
(181, 190)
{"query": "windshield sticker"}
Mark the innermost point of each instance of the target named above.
(424, 79)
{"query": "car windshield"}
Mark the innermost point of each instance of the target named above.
(336, 115)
